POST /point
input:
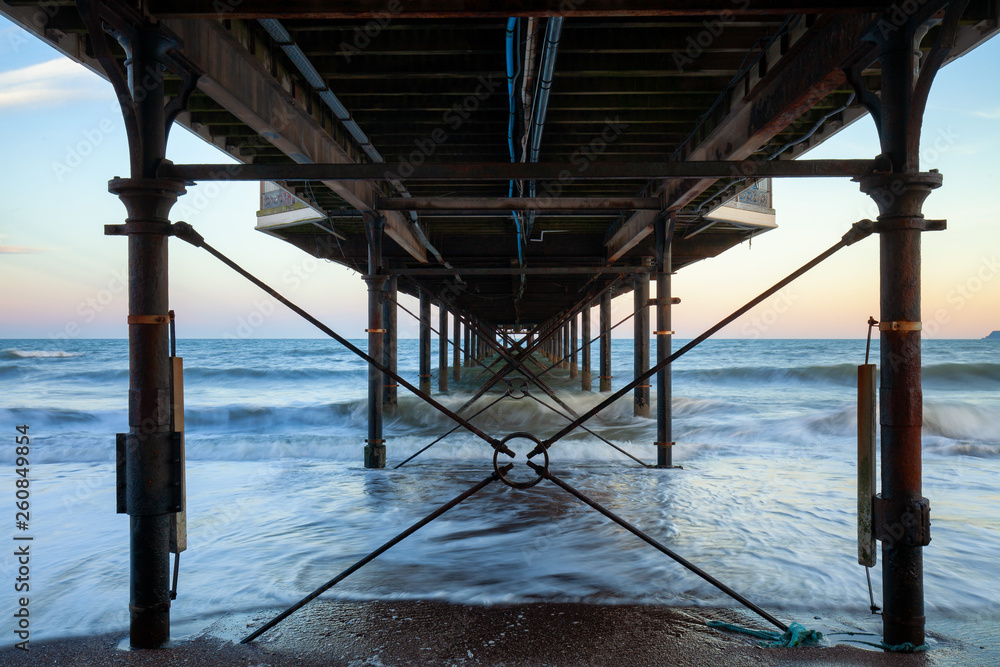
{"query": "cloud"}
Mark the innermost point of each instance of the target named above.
(52, 83)
(17, 250)
(991, 115)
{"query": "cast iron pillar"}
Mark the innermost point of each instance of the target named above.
(564, 349)
(664, 390)
(468, 344)
(456, 352)
(442, 347)
(605, 324)
(902, 514)
(151, 468)
(389, 318)
(640, 291)
(586, 383)
(573, 335)
(425, 342)
(375, 443)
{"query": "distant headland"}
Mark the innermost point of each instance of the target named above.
(993, 336)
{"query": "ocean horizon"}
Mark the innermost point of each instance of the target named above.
(278, 500)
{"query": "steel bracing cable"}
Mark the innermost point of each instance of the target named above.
(657, 545)
(442, 437)
(186, 232)
(858, 231)
(592, 341)
(373, 555)
(599, 437)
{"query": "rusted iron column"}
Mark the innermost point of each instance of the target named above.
(902, 514)
(375, 443)
(640, 292)
(425, 342)
(442, 347)
(573, 335)
(456, 353)
(564, 348)
(664, 390)
(150, 498)
(390, 319)
(605, 324)
(468, 345)
(901, 503)
(586, 381)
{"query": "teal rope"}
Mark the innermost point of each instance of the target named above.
(798, 635)
(795, 635)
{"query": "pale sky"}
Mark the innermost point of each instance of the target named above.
(63, 140)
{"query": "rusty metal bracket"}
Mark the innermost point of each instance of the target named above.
(120, 494)
(902, 521)
(890, 224)
(148, 319)
(164, 499)
(161, 228)
(900, 326)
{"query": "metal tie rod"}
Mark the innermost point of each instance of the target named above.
(859, 230)
(506, 171)
(375, 554)
(442, 437)
(186, 232)
(541, 470)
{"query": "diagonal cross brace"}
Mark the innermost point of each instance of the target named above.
(186, 232)
(858, 231)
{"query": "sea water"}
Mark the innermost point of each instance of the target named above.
(278, 500)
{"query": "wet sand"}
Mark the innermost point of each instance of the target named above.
(434, 633)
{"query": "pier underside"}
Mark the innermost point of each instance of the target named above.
(516, 164)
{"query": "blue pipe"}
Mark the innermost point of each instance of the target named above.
(512, 24)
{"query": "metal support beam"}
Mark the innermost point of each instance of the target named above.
(573, 336)
(664, 390)
(902, 513)
(456, 357)
(390, 319)
(362, 10)
(147, 462)
(640, 292)
(464, 205)
(425, 342)
(605, 323)
(468, 346)
(586, 382)
(506, 171)
(442, 347)
(375, 443)
(150, 473)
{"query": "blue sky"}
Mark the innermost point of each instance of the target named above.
(63, 140)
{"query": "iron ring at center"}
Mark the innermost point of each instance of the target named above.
(512, 483)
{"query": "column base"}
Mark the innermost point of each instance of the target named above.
(375, 456)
